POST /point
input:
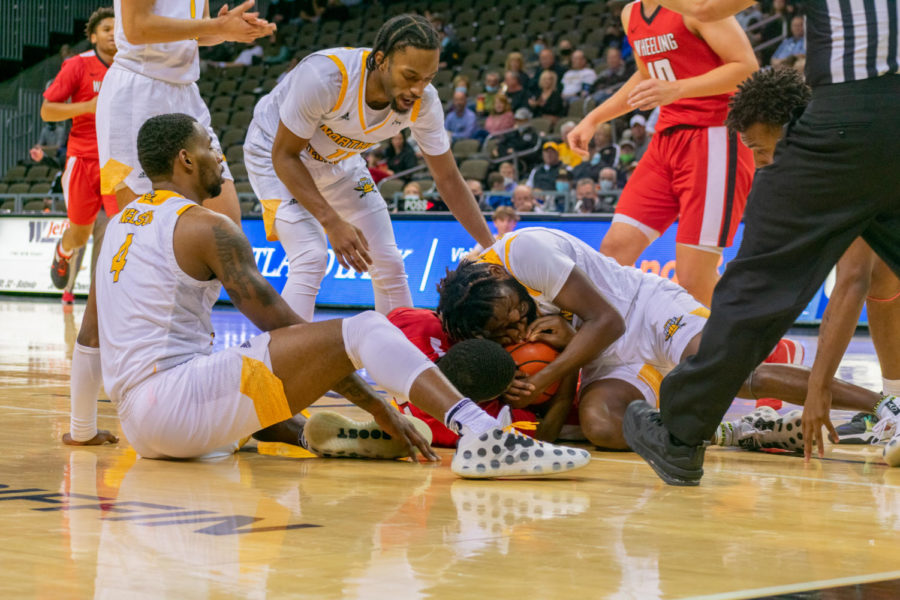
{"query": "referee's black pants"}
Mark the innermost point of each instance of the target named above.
(835, 177)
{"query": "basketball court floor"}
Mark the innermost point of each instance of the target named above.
(275, 522)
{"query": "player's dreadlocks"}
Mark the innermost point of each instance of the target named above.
(400, 32)
(769, 96)
(467, 298)
(159, 141)
(104, 12)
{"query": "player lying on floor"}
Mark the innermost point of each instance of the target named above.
(764, 104)
(628, 329)
(168, 259)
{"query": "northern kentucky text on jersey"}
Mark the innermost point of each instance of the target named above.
(655, 45)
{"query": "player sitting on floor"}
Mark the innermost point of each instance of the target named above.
(628, 329)
(168, 259)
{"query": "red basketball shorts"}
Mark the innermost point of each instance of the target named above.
(81, 189)
(699, 176)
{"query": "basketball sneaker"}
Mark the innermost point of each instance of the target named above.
(891, 452)
(859, 430)
(59, 270)
(68, 298)
(332, 435)
(763, 428)
(786, 352)
(506, 452)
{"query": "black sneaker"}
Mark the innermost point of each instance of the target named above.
(858, 430)
(646, 435)
(59, 270)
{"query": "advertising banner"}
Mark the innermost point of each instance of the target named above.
(429, 246)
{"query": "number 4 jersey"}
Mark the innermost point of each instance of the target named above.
(152, 315)
(671, 52)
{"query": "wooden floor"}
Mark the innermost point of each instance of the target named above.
(97, 522)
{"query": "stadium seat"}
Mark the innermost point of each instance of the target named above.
(390, 187)
(276, 70)
(3, 187)
(33, 206)
(38, 173)
(238, 171)
(255, 72)
(426, 185)
(463, 149)
(19, 188)
(218, 120)
(243, 187)
(241, 119)
(567, 11)
(221, 103)
(474, 168)
(245, 102)
(541, 125)
(235, 154)
(15, 174)
(250, 85)
(232, 137)
(246, 207)
(226, 86)
(40, 188)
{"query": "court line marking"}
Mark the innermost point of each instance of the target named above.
(800, 587)
(780, 475)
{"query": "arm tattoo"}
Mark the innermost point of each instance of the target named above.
(240, 276)
(360, 393)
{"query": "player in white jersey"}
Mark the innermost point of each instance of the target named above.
(302, 154)
(154, 73)
(168, 259)
(628, 328)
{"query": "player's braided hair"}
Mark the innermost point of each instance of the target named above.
(159, 141)
(768, 96)
(407, 30)
(467, 298)
(104, 12)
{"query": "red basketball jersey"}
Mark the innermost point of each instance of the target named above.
(423, 328)
(79, 79)
(671, 52)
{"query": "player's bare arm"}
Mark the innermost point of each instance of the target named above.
(351, 249)
(601, 326)
(558, 411)
(458, 197)
(707, 10)
(63, 111)
(141, 26)
(728, 41)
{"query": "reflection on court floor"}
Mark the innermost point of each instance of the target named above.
(102, 523)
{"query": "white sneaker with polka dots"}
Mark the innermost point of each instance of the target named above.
(505, 452)
(890, 428)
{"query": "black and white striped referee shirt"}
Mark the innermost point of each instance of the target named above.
(850, 40)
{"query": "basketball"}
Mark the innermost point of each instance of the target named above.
(530, 358)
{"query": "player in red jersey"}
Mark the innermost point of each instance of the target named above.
(695, 170)
(79, 81)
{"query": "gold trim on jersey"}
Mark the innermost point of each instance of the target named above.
(361, 99)
(490, 256)
(344, 81)
(701, 311)
(649, 375)
(112, 174)
(265, 390)
(415, 110)
(157, 197)
(270, 209)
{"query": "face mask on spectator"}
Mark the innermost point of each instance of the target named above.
(562, 186)
(626, 158)
(462, 89)
(508, 181)
(490, 89)
(595, 159)
(606, 185)
(538, 48)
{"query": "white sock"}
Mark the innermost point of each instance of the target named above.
(890, 387)
(67, 254)
(887, 408)
(390, 359)
(466, 417)
(85, 383)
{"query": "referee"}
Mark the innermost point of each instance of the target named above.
(836, 176)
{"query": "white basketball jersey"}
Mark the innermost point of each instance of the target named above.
(175, 62)
(323, 100)
(152, 315)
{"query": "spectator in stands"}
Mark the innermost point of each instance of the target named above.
(579, 80)
(795, 45)
(491, 91)
(749, 17)
(509, 175)
(639, 135)
(543, 176)
(277, 50)
(65, 51)
(617, 71)
(461, 83)
(565, 48)
(533, 60)
(498, 194)
(39, 157)
(461, 121)
(547, 62)
(566, 154)
(251, 53)
(377, 165)
(400, 156)
(608, 184)
(477, 192)
(518, 95)
(516, 64)
(505, 219)
(412, 199)
(451, 53)
(310, 11)
(778, 27)
(53, 135)
(586, 196)
(627, 160)
(603, 153)
(335, 11)
(501, 117)
(524, 138)
(523, 200)
(547, 101)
